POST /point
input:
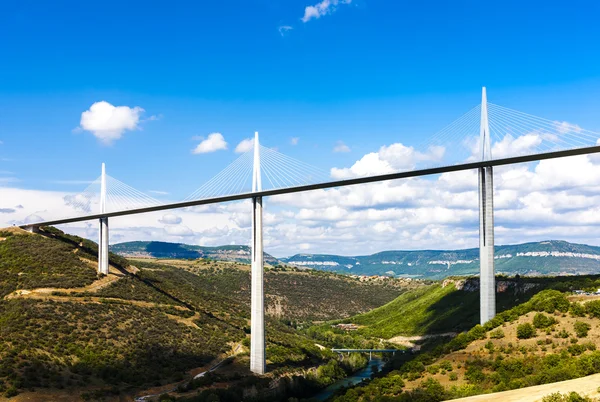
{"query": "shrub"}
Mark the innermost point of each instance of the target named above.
(572, 397)
(543, 321)
(453, 377)
(477, 332)
(550, 301)
(577, 310)
(525, 331)
(581, 329)
(593, 308)
(497, 334)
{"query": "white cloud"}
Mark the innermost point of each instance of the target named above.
(294, 140)
(389, 159)
(510, 146)
(323, 8)
(284, 29)
(341, 147)
(108, 123)
(170, 219)
(245, 146)
(213, 143)
(158, 192)
(178, 230)
(564, 127)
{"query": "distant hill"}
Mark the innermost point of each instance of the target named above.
(551, 257)
(159, 249)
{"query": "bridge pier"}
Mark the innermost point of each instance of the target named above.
(103, 247)
(103, 228)
(487, 279)
(257, 318)
(33, 229)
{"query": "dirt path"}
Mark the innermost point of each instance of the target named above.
(586, 386)
(68, 295)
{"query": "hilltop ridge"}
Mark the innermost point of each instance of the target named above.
(549, 257)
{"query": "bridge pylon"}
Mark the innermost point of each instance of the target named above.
(487, 280)
(103, 228)
(257, 318)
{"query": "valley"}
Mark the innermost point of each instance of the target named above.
(177, 329)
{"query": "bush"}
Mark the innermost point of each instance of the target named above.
(593, 308)
(453, 377)
(572, 397)
(497, 334)
(543, 321)
(581, 329)
(525, 331)
(477, 332)
(577, 310)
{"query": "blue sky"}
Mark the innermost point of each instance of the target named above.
(365, 72)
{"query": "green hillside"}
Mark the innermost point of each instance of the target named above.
(546, 339)
(438, 308)
(149, 323)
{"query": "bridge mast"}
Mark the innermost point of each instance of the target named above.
(487, 282)
(257, 319)
(103, 232)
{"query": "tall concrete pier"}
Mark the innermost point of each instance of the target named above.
(487, 292)
(257, 324)
(103, 228)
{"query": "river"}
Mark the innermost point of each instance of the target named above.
(354, 379)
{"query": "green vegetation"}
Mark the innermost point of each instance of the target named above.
(525, 331)
(581, 329)
(500, 368)
(571, 397)
(28, 262)
(153, 326)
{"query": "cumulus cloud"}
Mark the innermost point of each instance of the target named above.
(108, 123)
(389, 159)
(170, 219)
(214, 142)
(341, 147)
(244, 146)
(323, 8)
(510, 146)
(178, 230)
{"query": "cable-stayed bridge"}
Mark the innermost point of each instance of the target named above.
(487, 136)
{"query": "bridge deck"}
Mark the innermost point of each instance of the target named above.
(338, 183)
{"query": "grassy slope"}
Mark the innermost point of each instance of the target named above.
(46, 343)
(494, 357)
(290, 294)
(435, 309)
(28, 261)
